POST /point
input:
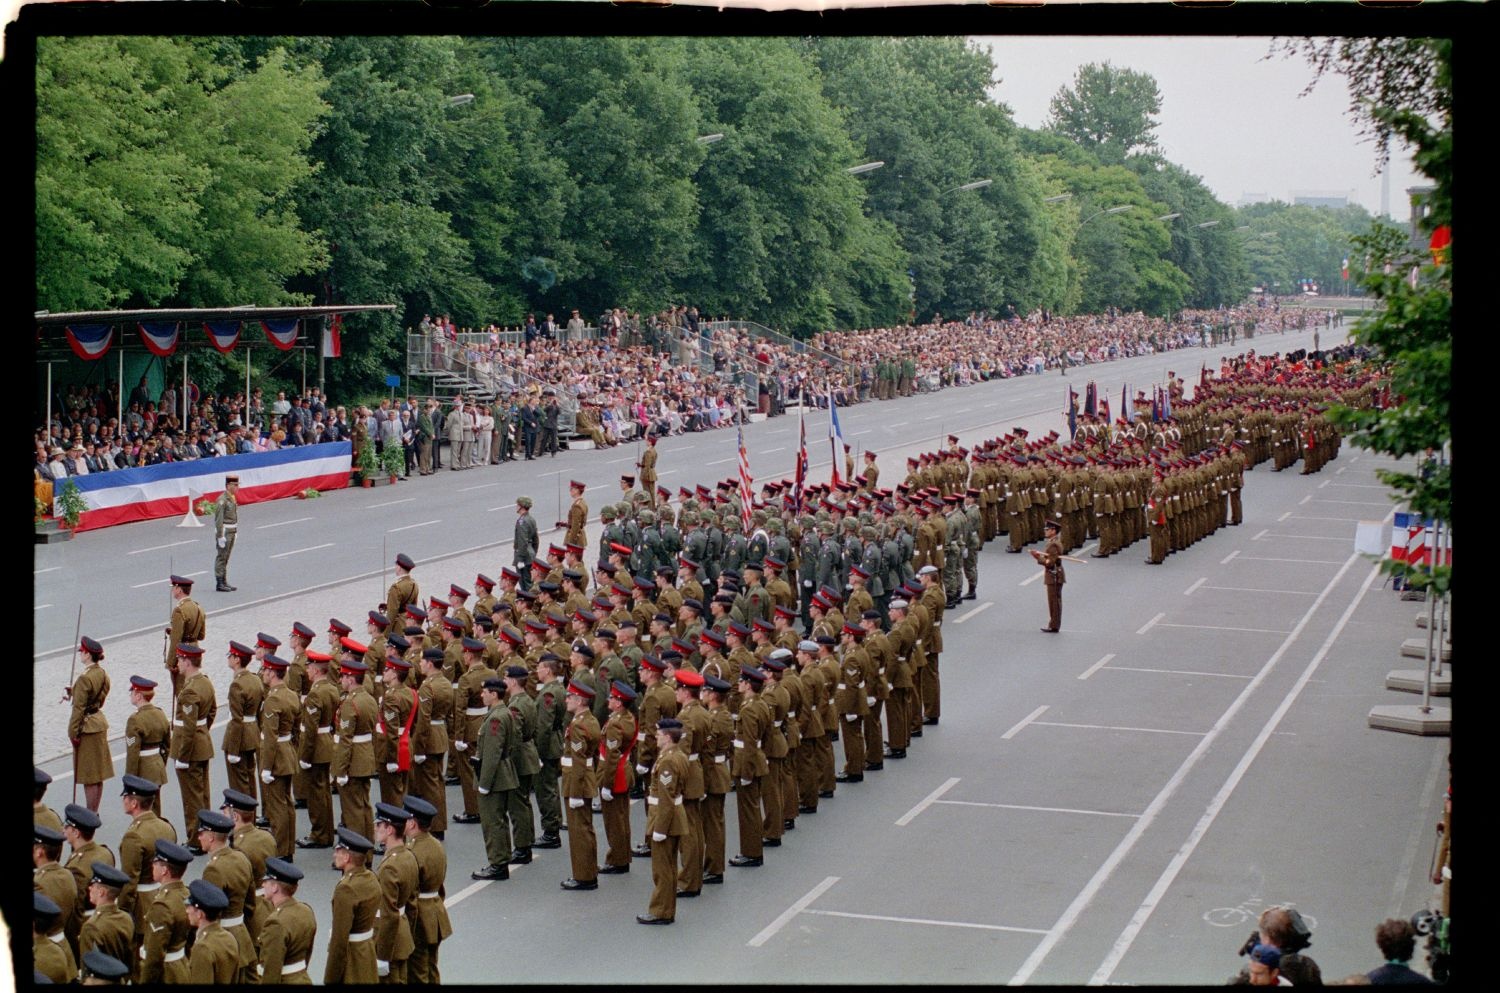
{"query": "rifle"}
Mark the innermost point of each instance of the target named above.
(68, 693)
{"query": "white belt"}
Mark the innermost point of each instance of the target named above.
(231, 527)
(167, 957)
(791, 713)
(355, 939)
(58, 937)
(360, 739)
(738, 743)
(776, 724)
(640, 736)
(249, 719)
(719, 759)
(230, 922)
(654, 800)
(439, 723)
(476, 711)
(429, 896)
(842, 686)
(283, 737)
(327, 730)
(566, 761)
(148, 887)
(288, 969)
(692, 756)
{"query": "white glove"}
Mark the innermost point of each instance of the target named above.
(462, 746)
(575, 802)
(851, 717)
(419, 759)
(641, 770)
(746, 782)
(394, 767)
(232, 758)
(870, 700)
(267, 776)
(222, 541)
(658, 836)
(607, 794)
(304, 766)
(180, 764)
(483, 791)
(382, 969)
(341, 781)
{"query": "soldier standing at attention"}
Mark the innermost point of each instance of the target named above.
(230, 870)
(315, 750)
(429, 917)
(88, 728)
(430, 737)
(108, 928)
(54, 961)
(279, 714)
(526, 539)
(356, 899)
(215, 956)
(191, 745)
(578, 515)
(138, 846)
(163, 920)
(523, 711)
(616, 775)
(286, 939)
(1051, 562)
(397, 876)
(354, 756)
(750, 766)
(580, 745)
(497, 743)
(226, 523)
(647, 465)
(551, 719)
(404, 590)
(666, 821)
(40, 812)
(187, 626)
(242, 733)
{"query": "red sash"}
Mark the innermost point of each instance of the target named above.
(619, 785)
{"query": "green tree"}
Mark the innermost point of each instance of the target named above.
(1110, 112)
(1210, 257)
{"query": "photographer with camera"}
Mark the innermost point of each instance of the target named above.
(1282, 930)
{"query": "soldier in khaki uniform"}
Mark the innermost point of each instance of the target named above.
(697, 734)
(230, 870)
(647, 465)
(50, 878)
(55, 961)
(148, 735)
(354, 752)
(430, 737)
(79, 826)
(666, 821)
(88, 728)
(138, 847)
(108, 929)
(398, 710)
(428, 917)
(214, 959)
(750, 765)
(256, 844)
(356, 900)
(163, 920)
(616, 775)
(578, 515)
(191, 745)
(315, 749)
(226, 525)
(286, 939)
(40, 812)
(469, 710)
(579, 784)
(187, 626)
(280, 713)
(404, 590)
(397, 875)
(242, 733)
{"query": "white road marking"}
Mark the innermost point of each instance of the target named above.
(390, 503)
(628, 458)
(295, 520)
(770, 930)
(721, 461)
(1225, 559)
(932, 418)
(1346, 520)
(157, 548)
(408, 527)
(669, 472)
(1031, 579)
(1016, 728)
(1190, 589)
(476, 486)
(1175, 672)
(925, 920)
(467, 892)
(38, 572)
(977, 610)
(927, 801)
(1260, 534)
(989, 405)
(1357, 503)
(1148, 817)
(769, 451)
(1257, 558)
(1283, 517)
(1111, 727)
(856, 434)
(1088, 548)
(1256, 589)
(1148, 905)
(1044, 810)
(1324, 484)
(1304, 500)
(1151, 623)
(299, 551)
(1097, 666)
(41, 606)
(1213, 627)
(1341, 470)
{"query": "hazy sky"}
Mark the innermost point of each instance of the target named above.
(1227, 114)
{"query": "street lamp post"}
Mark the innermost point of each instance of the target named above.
(1057, 199)
(709, 139)
(1169, 217)
(865, 167)
(1108, 210)
(1207, 224)
(978, 184)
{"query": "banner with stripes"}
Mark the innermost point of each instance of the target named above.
(1413, 540)
(161, 337)
(223, 335)
(90, 341)
(747, 492)
(282, 334)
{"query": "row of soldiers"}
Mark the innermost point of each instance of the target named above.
(240, 920)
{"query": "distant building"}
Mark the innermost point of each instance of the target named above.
(1306, 198)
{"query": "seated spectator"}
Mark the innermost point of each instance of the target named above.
(1398, 941)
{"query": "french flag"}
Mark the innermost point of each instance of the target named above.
(1412, 540)
(160, 336)
(150, 492)
(282, 334)
(90, 341)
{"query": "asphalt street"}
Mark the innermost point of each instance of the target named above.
(1112, 804)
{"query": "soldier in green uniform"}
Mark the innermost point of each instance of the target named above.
(88, 728)
(551, 720)
(214, 959)
(526, 543)
(497, 740)
(164, 924)
(356, 900)
(286, 938)
(523, 712)
(226, 524)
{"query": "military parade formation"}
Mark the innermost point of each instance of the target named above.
(704, 648)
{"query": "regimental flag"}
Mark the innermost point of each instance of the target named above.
(1125, 402)
(1104, 411)
(1413, 540)
(90, 341)
(1202, 379)
(800, 477)
(161, 337)
(223, 335)
(1166, 402)
(747, 491)
(1091, 399)
(1346, 267)
(333, 343)
(835, 437)
(282, 334)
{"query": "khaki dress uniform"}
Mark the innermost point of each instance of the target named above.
(163, 954)
(790, 684)
(778, 702)
(147, 740)
(214, 959)
(58, 885)
(315, 750)
(89, 727)
(697, 726)
(877, 691)
(192, 744)
(256, 844)
(80, 865)
(396, 707)
(665, 816)
(110, 930)
(230, 870)
(833, 674)
(351, 950)
(397, 875)
(616, 742)
(809, 757)
(242, 733)
(279, 714)
(187, 627)
(932, 645)
(578, 517)
(430, 743)
(750, 768)
(403, 591)
(716, 754)
(55, 961)
(849, 699)
(354, 761)
(286, 944)
(429, 917)
(579, 787)
(137, 850)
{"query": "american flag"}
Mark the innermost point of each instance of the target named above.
(835, 436)
(800, 478)
(746, 480)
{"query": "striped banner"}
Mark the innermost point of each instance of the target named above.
(160, 337)
(223, 335)
(1412, 540)
(90, 341)
(282, 334)
(151, 492)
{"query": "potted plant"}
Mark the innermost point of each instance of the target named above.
(71, 505)
(393, 461)
(206, 507)
(311, 493)
(365, 464)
